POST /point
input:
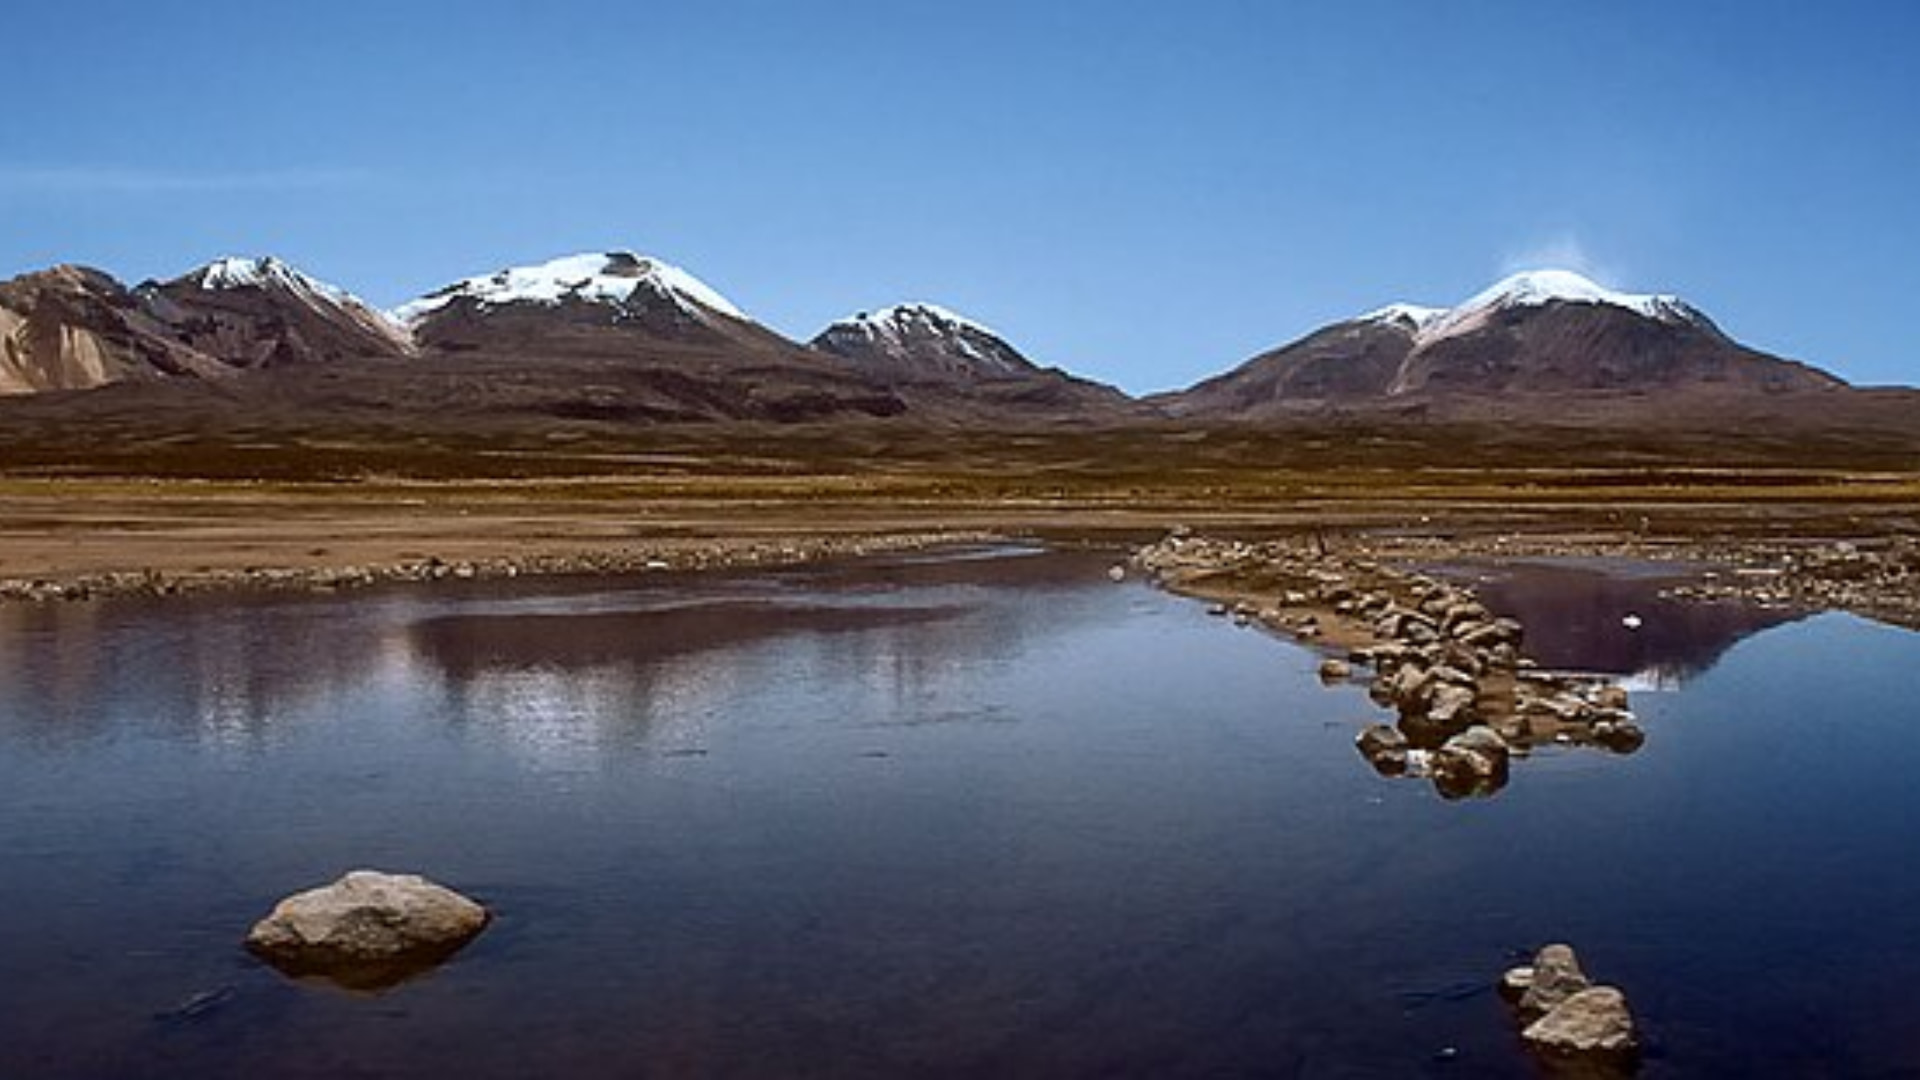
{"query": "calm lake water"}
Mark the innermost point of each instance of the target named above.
(985, 816)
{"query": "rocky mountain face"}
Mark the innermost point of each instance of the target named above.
(1540, 334)
(253, 313)
(72, 328)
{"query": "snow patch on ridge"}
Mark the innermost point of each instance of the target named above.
(596, 277)
(1414, 314)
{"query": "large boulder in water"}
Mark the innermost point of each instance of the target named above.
(1593, 1023)
(367, 930)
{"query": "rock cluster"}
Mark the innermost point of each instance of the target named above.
(1880, 578)
(368, 930)
(1565, 1016)
(1465, 695)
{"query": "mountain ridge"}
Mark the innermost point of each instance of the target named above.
(625, 337)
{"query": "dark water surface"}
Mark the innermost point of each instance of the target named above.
(987, 817)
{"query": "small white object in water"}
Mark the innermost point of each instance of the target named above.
(1630, 621)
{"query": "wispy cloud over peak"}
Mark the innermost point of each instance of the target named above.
(1564, 252)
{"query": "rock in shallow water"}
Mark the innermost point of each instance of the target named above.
(1385, 748)
(368, 930)
(1567, 1018)
(1555, 977)
(1594, 1021)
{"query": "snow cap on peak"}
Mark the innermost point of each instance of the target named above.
(1534, 288)
(235, 271)
(895, 317)
(241, 272)
(263, 272)
(610, 277)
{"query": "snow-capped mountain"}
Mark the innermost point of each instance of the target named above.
(940, 359)
(923, 341)
(1542, 332)
(1544, 288)
(614, 289)
(259, 312)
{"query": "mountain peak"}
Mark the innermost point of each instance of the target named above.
(231, 272)
(1537, 288)
(269, 288)
(897, 319)
(607, 277)
(924, 339)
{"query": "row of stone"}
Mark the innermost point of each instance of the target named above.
(433, 568)
(1465, 694)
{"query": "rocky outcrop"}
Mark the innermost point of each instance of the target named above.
(367, 930)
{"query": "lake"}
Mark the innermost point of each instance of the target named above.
(981, 814)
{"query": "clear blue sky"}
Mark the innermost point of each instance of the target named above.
(1145, 193)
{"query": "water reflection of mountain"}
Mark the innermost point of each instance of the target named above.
(1610, 618)
(628, 660)
(227, 668)
(868, 643)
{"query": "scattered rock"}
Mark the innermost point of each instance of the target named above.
(1332, 670)
(1515, 983)
(368, 930)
